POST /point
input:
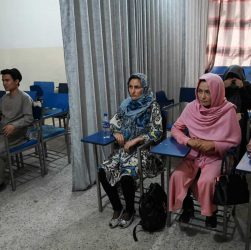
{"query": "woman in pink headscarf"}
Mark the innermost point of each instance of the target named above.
(213, 129)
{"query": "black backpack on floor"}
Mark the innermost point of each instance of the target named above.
(152, 209)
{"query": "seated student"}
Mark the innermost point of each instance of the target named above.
(15, 115)
(138, 120)
(213, 129)
(238, 91)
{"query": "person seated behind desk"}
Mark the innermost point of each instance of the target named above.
(138, 120)
(15, 115)
(213, 129)
(238, 91)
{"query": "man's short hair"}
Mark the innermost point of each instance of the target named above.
(15, 73)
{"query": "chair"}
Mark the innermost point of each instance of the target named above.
(2, 93)
(247, 71)
(32, 94)
(38, 90)
(47, 87)
(164, 103)
(34, 142)
(224, 212)
(63, 88)
(219, 70)
(186, 95)
(139, 181)
(57, 100)
(162, 100)
(141, 177)
(55, 104)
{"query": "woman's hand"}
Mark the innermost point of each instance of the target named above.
(239, 83)
(201, 145)
(238, 115)
(249, 146)
(206, 146)
(119, 138)
(193, 143)
(227, 82)
(132, 142)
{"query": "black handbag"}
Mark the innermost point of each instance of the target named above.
(232, 188)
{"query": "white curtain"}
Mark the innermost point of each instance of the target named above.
(106, 40)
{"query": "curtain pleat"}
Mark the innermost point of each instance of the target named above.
(105, 41)
(229, 33)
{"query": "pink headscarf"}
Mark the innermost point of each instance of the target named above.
(216, 122)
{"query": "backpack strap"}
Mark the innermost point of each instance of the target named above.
(134, 231)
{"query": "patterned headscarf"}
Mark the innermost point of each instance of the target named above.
(135, 107)
(135, 114)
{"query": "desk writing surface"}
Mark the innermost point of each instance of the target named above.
(170, 147)
(98, 139)
(50, 112)
(244, 164)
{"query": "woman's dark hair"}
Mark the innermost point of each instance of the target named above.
(15, 73)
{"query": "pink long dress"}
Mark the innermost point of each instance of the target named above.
(218, 124)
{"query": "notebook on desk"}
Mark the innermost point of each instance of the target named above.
(244, 164)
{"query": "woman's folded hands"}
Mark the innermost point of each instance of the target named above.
(203, 146)
(119, 138)
(127, 144)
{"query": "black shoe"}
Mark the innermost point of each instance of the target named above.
(211, 221)
(2, 187)
(188, 210)
(186, 216)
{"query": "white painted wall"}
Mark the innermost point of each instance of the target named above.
(31, 40)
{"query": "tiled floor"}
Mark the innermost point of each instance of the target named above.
(44, 213)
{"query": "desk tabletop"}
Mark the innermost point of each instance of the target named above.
(50, 112)
(244, 164)
(170, 147)
(98, 139)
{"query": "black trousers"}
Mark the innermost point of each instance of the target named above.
(128, 189)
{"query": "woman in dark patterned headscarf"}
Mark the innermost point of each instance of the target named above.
(138, 120)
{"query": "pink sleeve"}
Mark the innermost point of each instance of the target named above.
(178, 131)
(221, 147)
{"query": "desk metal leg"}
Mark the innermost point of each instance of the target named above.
(248, 224)
(162, 180)
(100, 207)
(168, 167)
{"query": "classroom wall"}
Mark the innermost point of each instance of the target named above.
(31, 40)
